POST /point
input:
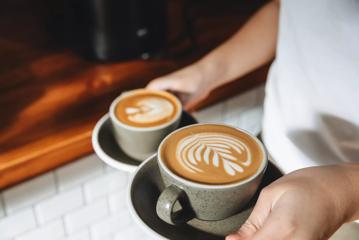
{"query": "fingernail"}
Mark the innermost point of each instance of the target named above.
(231, 237)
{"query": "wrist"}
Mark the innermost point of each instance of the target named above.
(335, 191)
(351, 174)
(341, 193)
(211, 72)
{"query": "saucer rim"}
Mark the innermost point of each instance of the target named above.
(132, 209)
(102, 154)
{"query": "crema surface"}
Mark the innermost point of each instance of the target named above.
(145, 108)
(212, 154)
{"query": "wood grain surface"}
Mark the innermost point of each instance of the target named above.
(50, 97)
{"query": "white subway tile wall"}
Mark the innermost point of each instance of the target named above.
(29, 192)
(86, 215)
(110, 226)
(63, 202)
(104, 185)
(74, 174)
(17, 223)
(116, 201)
(54, 231)
(82, 235)
(86, 200)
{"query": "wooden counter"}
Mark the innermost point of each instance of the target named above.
(50, 98)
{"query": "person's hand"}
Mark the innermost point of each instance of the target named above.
(189, 84)
(308, 204)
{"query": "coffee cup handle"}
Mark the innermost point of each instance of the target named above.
(166, 203)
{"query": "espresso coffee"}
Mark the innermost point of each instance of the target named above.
(147, 108)
(212, 154)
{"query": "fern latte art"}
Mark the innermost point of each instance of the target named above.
(147, 108)
(212, 154)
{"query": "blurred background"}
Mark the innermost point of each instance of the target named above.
(61, 64)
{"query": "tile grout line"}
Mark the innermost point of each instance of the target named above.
(35, 216)
(82, 186)
(33, 206)
(85, 203)
(109, 213)
(108, 204)
(87, 227)
(62, 217)
(2, 204)
(89, 233)
(56, 181)
(37, 227)
(104, 168)
(64, 225)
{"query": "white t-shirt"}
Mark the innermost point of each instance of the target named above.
(311, 114)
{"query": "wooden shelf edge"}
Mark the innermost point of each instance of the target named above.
(46, 161)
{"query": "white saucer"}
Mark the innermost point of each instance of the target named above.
(109, 152)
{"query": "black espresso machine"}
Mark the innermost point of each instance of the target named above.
(110, 30)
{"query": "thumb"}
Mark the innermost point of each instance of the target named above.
(256, 219)
(167, 84)
(247, 230)
(160, 84)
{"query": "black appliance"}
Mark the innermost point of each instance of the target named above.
(109, 30)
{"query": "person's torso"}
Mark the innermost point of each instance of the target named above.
(312, 101)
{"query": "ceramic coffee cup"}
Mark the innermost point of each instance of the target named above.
(204, 201)
(142, 142)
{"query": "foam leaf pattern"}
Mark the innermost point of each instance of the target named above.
(219, 151)
(149, 109)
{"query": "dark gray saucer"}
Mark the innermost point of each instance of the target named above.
(108, 151)
(145, 187)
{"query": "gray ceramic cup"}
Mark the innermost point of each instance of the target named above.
(141, 142)
(182, 199)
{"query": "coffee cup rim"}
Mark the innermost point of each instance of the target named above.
(187, 182)
(144, 129)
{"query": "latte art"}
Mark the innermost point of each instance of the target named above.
(150, 109)
(212, 154)
(221, 151)
(147, 108)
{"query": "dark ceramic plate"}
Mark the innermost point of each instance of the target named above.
(146, 185)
